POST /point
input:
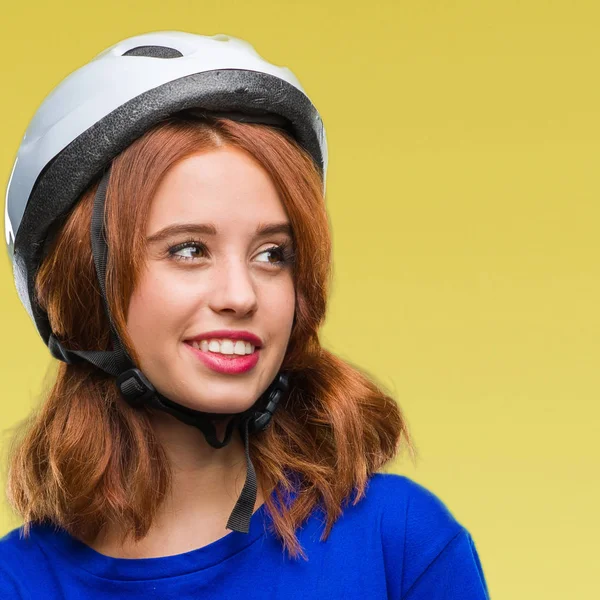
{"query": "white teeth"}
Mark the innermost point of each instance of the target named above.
(227, 346)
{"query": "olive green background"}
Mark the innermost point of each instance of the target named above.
(463, 192)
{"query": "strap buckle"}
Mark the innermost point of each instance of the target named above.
(260, 420)
(134, 387)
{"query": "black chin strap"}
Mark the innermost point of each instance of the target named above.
(239, 519)
(138, 391)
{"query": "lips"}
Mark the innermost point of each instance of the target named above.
(232, 364)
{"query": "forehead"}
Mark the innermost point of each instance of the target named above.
(226, 187)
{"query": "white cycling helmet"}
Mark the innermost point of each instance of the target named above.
(103, 106)
(92, 116)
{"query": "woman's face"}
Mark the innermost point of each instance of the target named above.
(218, 240)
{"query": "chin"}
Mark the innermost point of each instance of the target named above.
(214, 396)
(214, 404)
(212, 407)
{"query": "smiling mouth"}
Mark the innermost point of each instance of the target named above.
(228, 363)
(224, 347)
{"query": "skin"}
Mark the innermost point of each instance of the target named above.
(235, 284)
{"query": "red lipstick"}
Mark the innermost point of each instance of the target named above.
(232, 364)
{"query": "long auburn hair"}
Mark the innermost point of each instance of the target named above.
(86, 458)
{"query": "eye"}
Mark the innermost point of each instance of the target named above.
(282, 254)
(275, 251)
(189, 250)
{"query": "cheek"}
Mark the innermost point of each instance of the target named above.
(278, 307)
(157, 307)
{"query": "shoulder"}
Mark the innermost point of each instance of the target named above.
(417, 527)
(16, 547)
(412, 519)
(21, 559)
(11, 555)
(408, 507)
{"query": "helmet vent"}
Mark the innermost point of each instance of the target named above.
(154, 52)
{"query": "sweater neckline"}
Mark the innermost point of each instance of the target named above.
(81, 556)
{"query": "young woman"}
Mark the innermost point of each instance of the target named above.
(166, 221)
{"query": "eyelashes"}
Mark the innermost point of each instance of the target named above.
(194, 244)
(284, 252)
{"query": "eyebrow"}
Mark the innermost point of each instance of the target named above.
(210, 229)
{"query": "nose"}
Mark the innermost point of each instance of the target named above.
(233, 289)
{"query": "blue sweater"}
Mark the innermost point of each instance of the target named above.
(399, 542)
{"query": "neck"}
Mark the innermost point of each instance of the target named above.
(206, 483)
